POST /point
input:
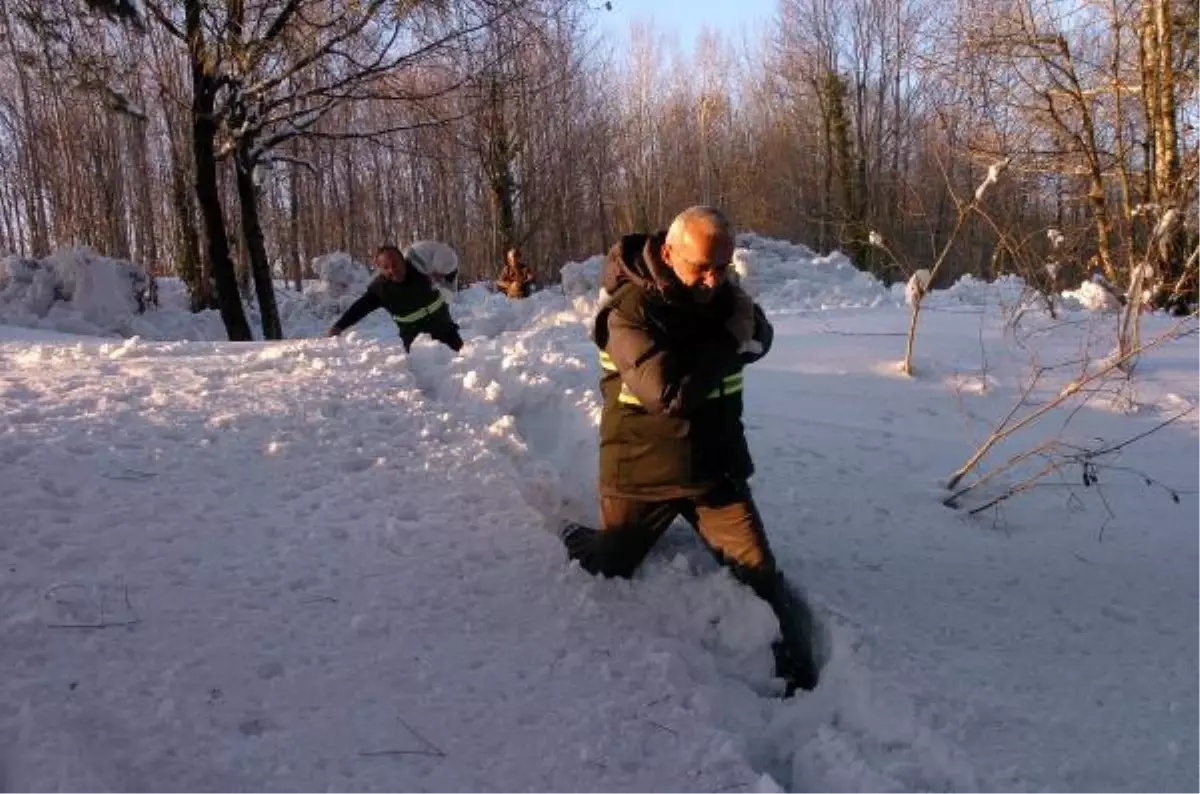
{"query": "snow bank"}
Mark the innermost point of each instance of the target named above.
(972, 291)
(781, 275)
(76, 291)
(786, 276)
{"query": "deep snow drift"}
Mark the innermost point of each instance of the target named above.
(320, 563)
(75, 291)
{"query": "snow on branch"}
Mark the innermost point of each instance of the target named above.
(993, 175)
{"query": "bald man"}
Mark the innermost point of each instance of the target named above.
(674, 335)
(408, 294)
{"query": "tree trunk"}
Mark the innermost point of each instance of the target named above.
(1171, 250)
(294, 226)
(204, 131)
(252, 236)
(189, 264)
(1148, 65)
(147, 240)
(849, 175)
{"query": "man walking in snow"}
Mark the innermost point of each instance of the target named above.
(409, 295)
(674, 335)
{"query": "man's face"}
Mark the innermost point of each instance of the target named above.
(514, 258)
(389, 265)
(700, 263)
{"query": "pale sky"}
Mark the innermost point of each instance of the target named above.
(687, 17)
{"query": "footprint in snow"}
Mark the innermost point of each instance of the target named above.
(14, 452)
(57, 488)
(356, 465)
(1119, 614)
(25, 416)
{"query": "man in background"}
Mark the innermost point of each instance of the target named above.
(409, 296)
(516, 280)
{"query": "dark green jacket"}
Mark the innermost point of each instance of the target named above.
(671, 380)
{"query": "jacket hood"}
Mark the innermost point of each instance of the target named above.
(635, 259)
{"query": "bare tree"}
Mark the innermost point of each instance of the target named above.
(286, 128)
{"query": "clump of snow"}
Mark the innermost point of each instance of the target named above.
(581, 279)
(74, 290)
(993, 174)
(1093, 297)
(918, 284)
(339, 274)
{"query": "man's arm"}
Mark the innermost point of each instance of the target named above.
(368, 303)
(759, 343)
(664, 380)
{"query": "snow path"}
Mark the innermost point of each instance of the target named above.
(317, 556)
(333, 578)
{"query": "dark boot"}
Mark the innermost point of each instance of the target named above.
(796, 657)
(798, 671)
(578, 539)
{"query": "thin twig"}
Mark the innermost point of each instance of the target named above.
(1111, 449)
(662, 727)
(1011, 491)
(429, 753)
(998, 432)
(1016, 460)
(1003, 430)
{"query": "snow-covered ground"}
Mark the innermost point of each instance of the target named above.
(321, 563)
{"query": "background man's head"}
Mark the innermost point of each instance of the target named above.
(389, 261)
(514, 257)
(698, 249)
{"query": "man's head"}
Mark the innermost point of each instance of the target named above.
(389, 261)
(698, 248)
(514, 257)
